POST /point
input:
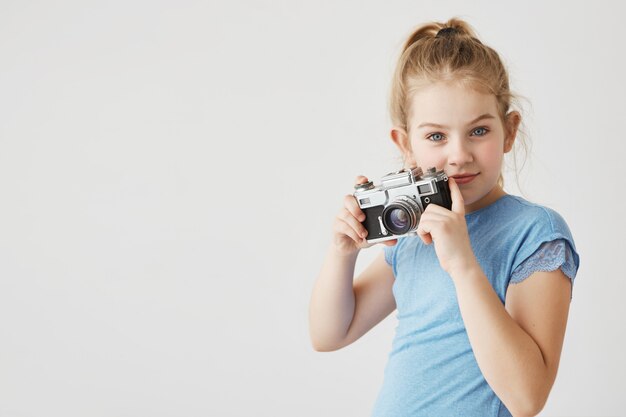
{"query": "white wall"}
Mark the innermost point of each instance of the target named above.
(169, 172)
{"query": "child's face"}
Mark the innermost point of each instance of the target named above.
(458, 130)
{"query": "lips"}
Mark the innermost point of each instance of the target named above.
(464, 178)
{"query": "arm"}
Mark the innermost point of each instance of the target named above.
(341, 312)
(518, 345)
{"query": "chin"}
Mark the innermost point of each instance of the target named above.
(484, 198)
(470, 197)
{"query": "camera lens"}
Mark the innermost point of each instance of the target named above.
(398, 218)
(401, 216)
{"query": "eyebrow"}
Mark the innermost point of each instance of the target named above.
(479, 118)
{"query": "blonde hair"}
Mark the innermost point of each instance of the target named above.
(446, 52)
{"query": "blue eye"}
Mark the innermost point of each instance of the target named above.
(435, 137)
(480, 131)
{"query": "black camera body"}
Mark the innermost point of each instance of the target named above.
(393, 209)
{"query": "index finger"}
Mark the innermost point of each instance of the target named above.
(458, 204)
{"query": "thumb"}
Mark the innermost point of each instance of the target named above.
(458, 204)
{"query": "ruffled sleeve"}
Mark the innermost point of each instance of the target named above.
(550, 256)
(546, 244)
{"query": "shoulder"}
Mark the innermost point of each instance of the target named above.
(534, 219)
(521, 206)
(536, 227)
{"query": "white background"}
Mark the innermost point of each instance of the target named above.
(169, 173)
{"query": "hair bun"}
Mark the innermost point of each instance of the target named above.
(445, 32)
(437, 30)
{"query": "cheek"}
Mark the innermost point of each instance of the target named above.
(427, 156)
(493, 156)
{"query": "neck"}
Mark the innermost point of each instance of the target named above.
(493, 195)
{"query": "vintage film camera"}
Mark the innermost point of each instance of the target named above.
(393, 209)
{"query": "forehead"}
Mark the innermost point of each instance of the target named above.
(450, 104)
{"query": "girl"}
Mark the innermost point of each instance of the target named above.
(483, 292)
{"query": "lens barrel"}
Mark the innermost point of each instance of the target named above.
(401, 216)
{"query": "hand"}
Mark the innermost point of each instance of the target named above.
(448, 230)
(349, 235)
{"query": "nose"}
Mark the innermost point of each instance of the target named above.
(460, 152)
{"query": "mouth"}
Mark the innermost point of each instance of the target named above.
(464, 178)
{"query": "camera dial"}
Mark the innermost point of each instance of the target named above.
(430, 172)
(365, 186)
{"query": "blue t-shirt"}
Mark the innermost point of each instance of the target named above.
(431, 370)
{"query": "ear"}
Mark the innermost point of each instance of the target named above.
(511, 125)
(400, 137)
